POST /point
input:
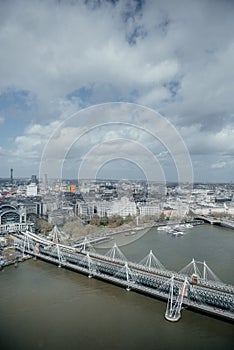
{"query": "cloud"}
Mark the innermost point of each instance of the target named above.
(79, 48)
(205, 142)
(218, 165)
(88, 46)
(58, 57)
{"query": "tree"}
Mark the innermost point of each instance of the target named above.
(162, 217)
(128, 219)
(95, 220)
(116, 220)
(43, 226)
(104, 221)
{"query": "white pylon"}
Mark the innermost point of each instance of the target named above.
(127, 275)
(26, 243)
(59, 255)
(173, 310)
(55, 234)
(87, 246)
(89, 262)
(170, 297)
(196, 271)
(204, 271)
(115, 253)
(151, 262)
(89, 265)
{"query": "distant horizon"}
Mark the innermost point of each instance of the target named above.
(114, 180)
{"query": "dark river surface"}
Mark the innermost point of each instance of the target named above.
(46, 307)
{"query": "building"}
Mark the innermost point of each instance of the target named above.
(60, 216)
(149, 210)
(34, 179)
(123, 207)
(31, 190)
(9, 214)
(12, 218)
(103, 208)
(85, 209)
(45, 182)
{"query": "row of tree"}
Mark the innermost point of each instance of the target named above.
(113, 221)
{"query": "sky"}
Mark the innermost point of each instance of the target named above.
(59, 58)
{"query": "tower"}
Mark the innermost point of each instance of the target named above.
(11, 181)
(45, 182)
(34, 179)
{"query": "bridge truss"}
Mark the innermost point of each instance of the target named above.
(148, 277)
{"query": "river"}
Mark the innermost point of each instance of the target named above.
(46, 307)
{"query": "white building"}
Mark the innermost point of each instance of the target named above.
(124, 207)
(103, 208)
(31, 190)
(212, 210)
(85, 209)
(147, 210)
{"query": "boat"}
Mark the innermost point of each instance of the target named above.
(163, 228)
(180, 227)
(130, 233)
(170, 230)
(177, 233)
(188, 225)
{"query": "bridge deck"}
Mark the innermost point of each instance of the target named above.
(206, 296)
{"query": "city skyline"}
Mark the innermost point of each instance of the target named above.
(175, 58)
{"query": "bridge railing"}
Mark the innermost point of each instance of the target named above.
(132, 275)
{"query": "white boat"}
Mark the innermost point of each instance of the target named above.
(163, 228)
(177, 233)
(180, 227)
(130, 233)
(170, 230)
(189, 225)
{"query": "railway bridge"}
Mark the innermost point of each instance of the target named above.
(195, 286)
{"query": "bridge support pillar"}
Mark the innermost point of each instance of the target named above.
(91, 265)
(174, 305)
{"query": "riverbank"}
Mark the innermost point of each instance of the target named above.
(15, 261)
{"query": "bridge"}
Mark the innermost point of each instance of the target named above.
(227, 223)
(210, 219)
(195, 287)
(214, 221)
(15, 226)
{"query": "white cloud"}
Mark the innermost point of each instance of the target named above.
(177, 57)
(154, 96)
(78, 48)
(205, 142)
(218, 165)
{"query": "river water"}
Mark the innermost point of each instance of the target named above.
(46, 307)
